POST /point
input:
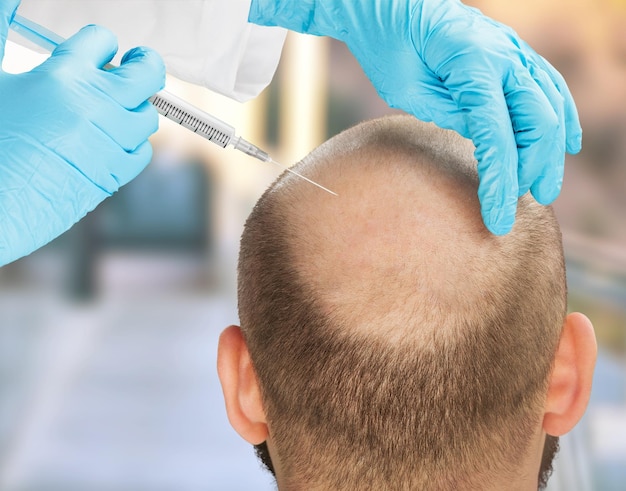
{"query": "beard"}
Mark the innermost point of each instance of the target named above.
(550, 449)
(263, 454)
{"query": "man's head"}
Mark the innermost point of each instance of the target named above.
(387, 339)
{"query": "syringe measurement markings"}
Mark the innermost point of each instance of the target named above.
(211, 133)
(174, 113)
(170, 111)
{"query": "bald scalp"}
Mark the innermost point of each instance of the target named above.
(405, 230)
(393, 336)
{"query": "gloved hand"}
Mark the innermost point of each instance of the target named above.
(70, 134)
(445, 62)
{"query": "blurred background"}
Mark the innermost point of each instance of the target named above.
(108, 335)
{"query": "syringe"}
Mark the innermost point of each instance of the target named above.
(202, 123)
(167, 104)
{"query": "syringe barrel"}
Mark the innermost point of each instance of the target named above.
(196, 120)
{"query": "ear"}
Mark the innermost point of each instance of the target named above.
(570, 381)
(240, 387)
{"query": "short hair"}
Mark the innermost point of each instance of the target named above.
(414, 353)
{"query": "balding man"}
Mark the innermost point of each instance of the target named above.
(388, 340)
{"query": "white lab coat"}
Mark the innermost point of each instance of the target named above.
(206, 42)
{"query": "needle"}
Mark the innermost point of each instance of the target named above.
(302, 177)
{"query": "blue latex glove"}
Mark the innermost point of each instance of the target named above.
(445, 62)
(70, 134)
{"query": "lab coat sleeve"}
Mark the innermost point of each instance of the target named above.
(206, 42)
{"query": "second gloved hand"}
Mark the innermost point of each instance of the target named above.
(444, 62)
(71, 134)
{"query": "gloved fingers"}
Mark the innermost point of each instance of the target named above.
(549, 181)
(537, 123)
(93, 44)
(7, 12)
(141, 75)
(489, 126)
(573, 129)
(127, 128)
